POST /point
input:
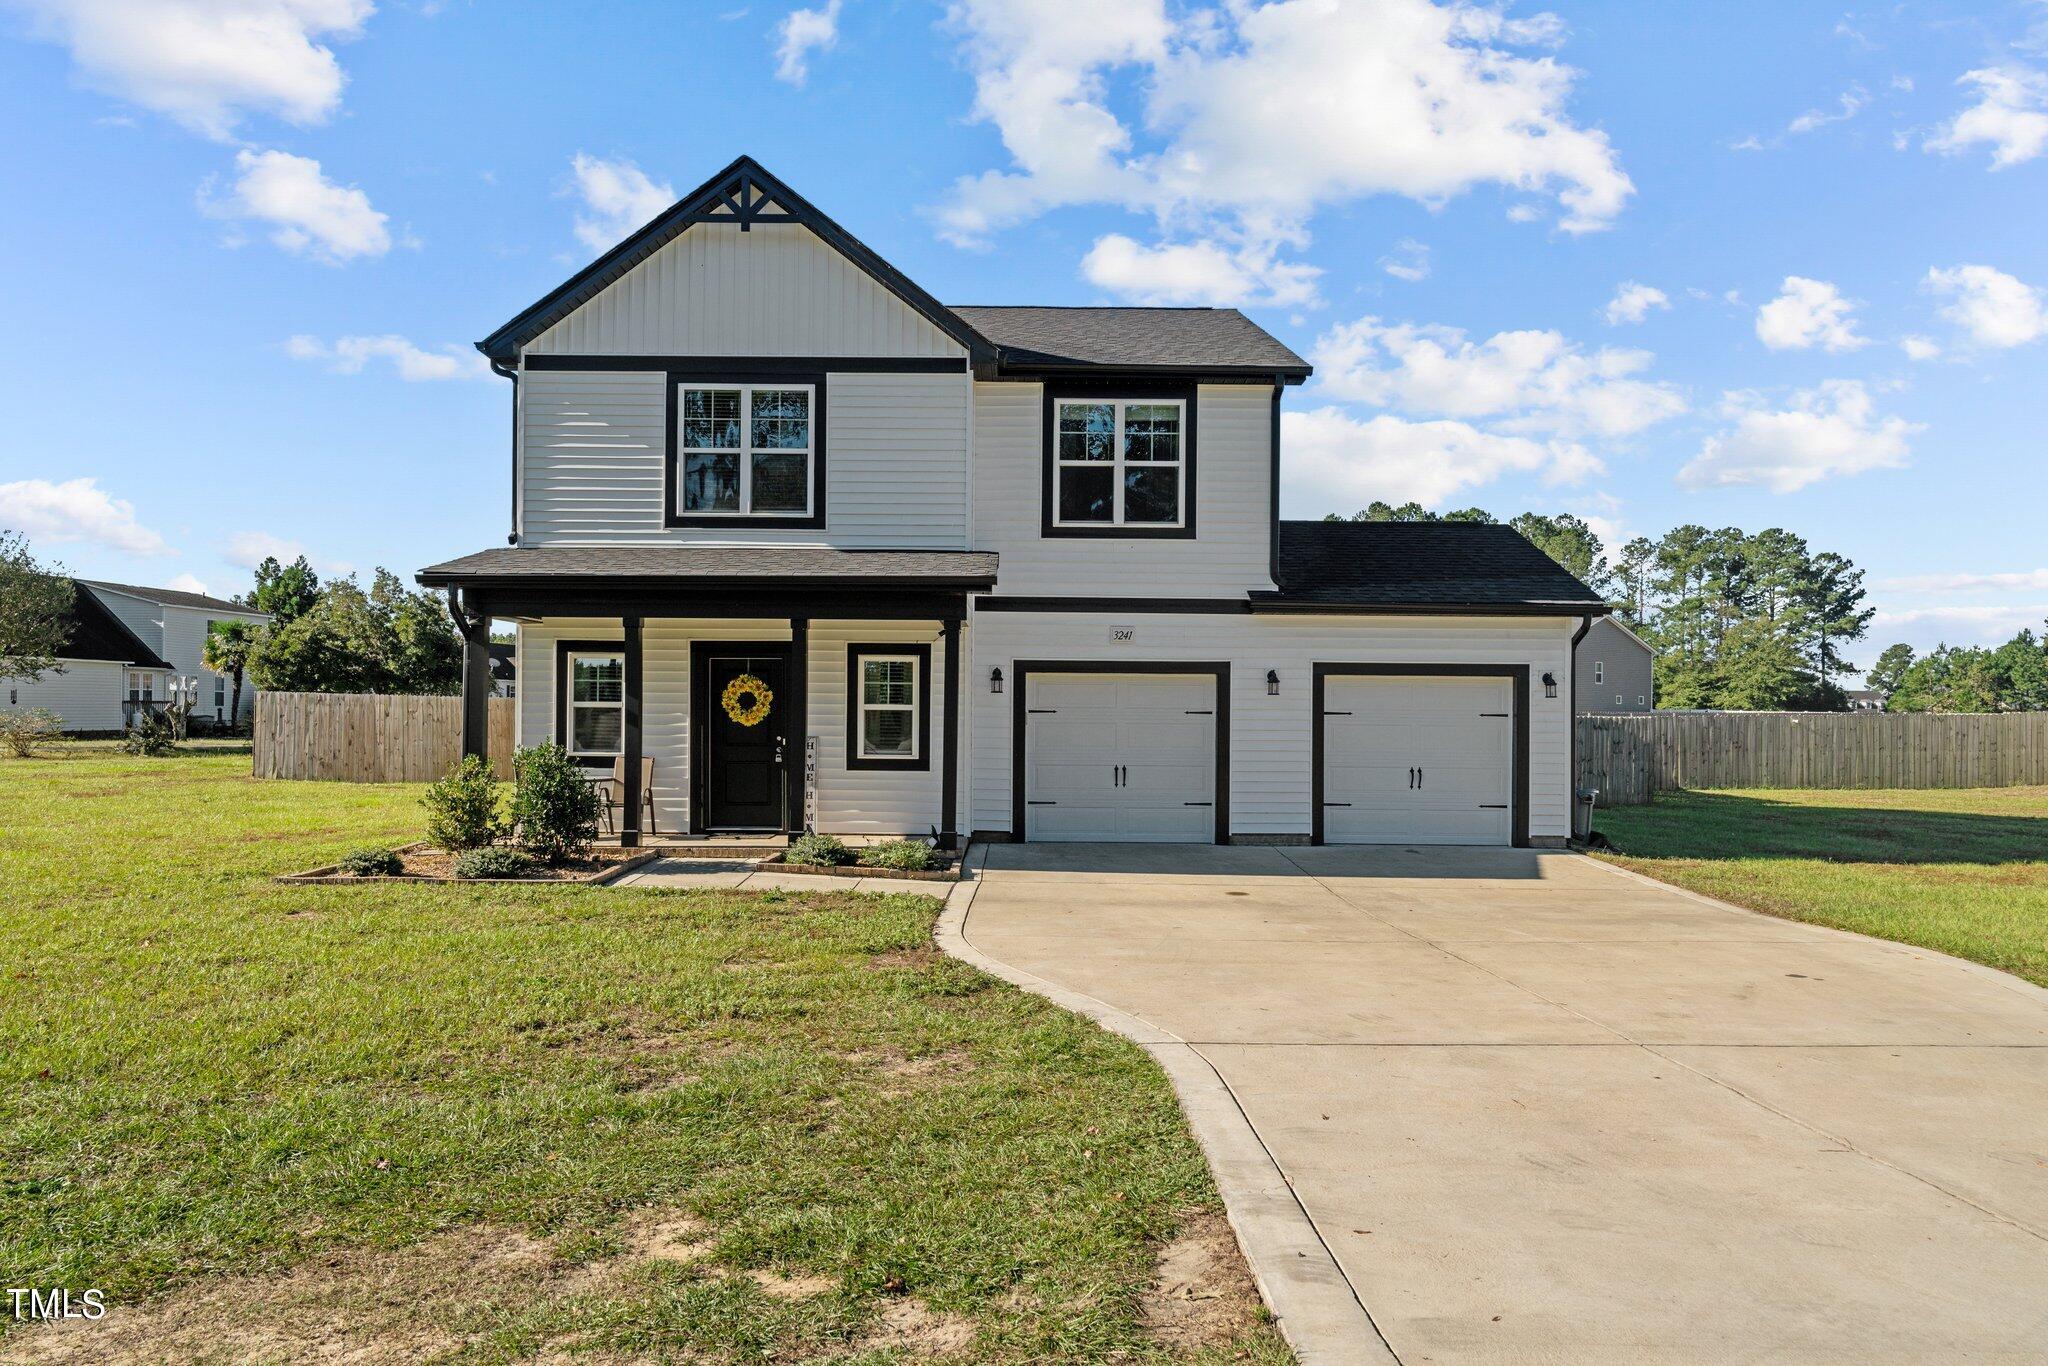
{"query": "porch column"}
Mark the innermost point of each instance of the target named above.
(949, 768)
(795, 815)
(629, 768)
(476, 676)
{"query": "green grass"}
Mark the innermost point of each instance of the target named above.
(1962, 871)
(205, 1073)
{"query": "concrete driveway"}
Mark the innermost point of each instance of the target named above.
(1540, 1110)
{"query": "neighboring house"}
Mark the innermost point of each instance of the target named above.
(174, 624)
(102, 672)
(504, 670)
(1865, 699)
(1613, 670)
(826, 552)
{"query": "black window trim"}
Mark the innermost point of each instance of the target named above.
(1105, 389)
(563, 649)
(920, 651)
(675, 378)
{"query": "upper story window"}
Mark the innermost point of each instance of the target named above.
(750, 452)
(1600, 672)
(1119, 466)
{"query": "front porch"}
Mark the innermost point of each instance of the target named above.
(737, 694)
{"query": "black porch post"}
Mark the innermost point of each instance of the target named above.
(476, 677)
(949, 770)
(797, 743)
(629, 769)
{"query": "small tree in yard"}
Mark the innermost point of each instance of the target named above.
(554, 807)
(228, 647)
(22, 731)
(35, 612)
(462, 809)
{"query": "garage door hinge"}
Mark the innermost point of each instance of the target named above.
(1198, 803)
(1336, 713)
(1493, 806)
(1041, 803)
(1041, 711)
(1198, 713)
(1501, 714)
(1336, 803)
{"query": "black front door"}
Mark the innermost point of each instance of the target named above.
(745, 740)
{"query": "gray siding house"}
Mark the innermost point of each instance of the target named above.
(827, 553)
(1614, 670)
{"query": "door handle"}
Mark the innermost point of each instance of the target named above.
(1411, 779)
(1418, 779)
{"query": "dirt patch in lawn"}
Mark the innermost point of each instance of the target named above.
(1202, 1293)
(908, 1326)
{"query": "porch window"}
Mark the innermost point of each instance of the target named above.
(141, 686)
(1118, 463)
(746, 451)
(889, 706)
(597, 703)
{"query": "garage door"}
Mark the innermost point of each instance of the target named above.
(1120, 757)
(1417, 760)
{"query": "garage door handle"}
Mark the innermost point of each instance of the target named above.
(1411, 780)
(1418, 779)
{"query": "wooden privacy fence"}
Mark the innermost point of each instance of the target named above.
(1630, 758)
(369, 737)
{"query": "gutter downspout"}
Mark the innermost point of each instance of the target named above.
(500, 368)
(1572, 721)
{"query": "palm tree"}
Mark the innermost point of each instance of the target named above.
(228, 646)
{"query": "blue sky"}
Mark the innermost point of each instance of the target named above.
(252, 240)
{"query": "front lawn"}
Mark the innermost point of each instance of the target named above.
(503, 1121)
(1964, 871)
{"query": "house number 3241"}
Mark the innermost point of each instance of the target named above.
(1122, 635)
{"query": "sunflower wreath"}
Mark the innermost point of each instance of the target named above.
(754, 710)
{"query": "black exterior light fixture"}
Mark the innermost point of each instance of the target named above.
(1272, 683)
(1550, 685)
(995, 680)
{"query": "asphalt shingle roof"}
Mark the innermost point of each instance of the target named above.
(171, 597)
(1132, 338)
(97, 633)
(965, 568)
(1430, 566)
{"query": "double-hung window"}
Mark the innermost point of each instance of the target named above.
(888, 706)
(746, 450)
(1119, 463)
(596, 702)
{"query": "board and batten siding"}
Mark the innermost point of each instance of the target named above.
(86, 696)
(1230, 554)
(595, 446)
(850, 802)
(778, 290)
(1271, 737)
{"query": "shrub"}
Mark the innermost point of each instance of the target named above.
(494, 862)
(22, 731)
(149, 735)
(821, 850)
(462, 809)
(371, 863)
(907, 855)
(554, 807)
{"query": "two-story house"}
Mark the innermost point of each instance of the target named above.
(825, 552)
(175, 623)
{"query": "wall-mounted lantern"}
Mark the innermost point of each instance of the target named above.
(995, 680)
(1550, 685)
(1272, 683)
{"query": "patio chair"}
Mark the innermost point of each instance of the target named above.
(613, 793)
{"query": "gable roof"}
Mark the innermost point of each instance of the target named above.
(96, 633)
(1182, 340)
(744, 193)
(1453, 567)
(174, 597)
(1618, 624)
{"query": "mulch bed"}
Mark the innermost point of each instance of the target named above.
(424, 863)
(948, 871)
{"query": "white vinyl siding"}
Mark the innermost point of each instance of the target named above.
(1271, 745)
(86, 696)
(777, 290)
(1229, 554)
(178, 637)
(895, 463)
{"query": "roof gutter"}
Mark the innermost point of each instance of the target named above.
(1309, 607)
(1571, 726)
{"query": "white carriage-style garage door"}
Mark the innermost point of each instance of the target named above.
(1120, 757)
(1417, 760)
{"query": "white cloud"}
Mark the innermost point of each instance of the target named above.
(1632, 303)
(1849, 105)
(1996, 309)
(1204, 272)
(1525, 381)
(2027, 579)
(1251, 117)
(248, 549)
(1919, 348)
(617, 196)
(1986, 622)
(801, 32)
(206, 63)
(1823, 432)
(309, 214)
(189, 583)
(1409, 260)
(1337, 460)
(2011, 115)
(75, 510)
(348, 356)
(1808, 313)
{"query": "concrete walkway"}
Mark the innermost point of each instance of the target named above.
(1538, 1109)
(712, 872)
